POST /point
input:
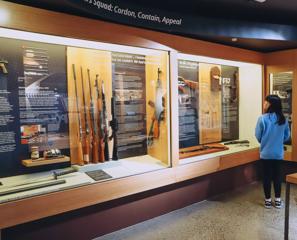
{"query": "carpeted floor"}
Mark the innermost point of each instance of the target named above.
(237, 215)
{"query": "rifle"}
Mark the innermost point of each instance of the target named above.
(158, 115)
(79, 143)
(36, 183)
(95, 151)
(114, 126)
(237, 142)
(86, 142)
(191, 84)
(100, 123)
(105, 124)
(3, 67)
(204, 147)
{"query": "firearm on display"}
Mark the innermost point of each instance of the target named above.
(191, 84)
(237, 142)
(3, 67)
(158, 115)
(203, 147)
(100, 122)
(86, 139)
(36, 183)
(79, 156)
(105, 124)
(95, 140)
(114, 127)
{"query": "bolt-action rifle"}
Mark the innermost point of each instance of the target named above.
(105, 124)
(86, 141)
(100, 122)
(79, 156)
(95, 140)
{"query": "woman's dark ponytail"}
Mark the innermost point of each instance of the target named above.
(276, 107)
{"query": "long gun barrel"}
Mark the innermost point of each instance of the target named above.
(105, 124)
(114, 127)
(100, 122)
(95, 152)
(86, 143)
(79, 156)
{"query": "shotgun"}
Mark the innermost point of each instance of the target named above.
(114, 126)
(79, 156)
(95, 151)
(100, 122)
(86, 142)
(105, 124)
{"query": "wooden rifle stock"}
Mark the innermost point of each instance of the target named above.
(86, 141)
(100, 123)
(79, 156)
(95, 151)
(3, 67)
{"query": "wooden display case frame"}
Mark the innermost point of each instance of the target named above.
(47, 22)
(284, 61)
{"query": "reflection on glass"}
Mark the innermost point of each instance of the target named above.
(71, 116)
(208, 107)
(281, 85)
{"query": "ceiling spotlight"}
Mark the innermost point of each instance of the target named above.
(260, 1)
(4, 16)
(234, 39)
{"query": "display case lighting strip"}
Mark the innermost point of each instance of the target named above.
(204, 59)
(38, 37)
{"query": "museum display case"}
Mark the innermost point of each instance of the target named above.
(219, 104)
(75, 112)
(127, 76)
(281, 84)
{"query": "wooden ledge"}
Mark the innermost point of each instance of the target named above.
(292, 178)
(46, 205)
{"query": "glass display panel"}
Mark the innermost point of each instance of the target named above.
(211, 99)
(281, 85)
(72, 115)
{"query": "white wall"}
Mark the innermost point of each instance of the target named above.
(250, 99)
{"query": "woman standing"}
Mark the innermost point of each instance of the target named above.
(272, 131)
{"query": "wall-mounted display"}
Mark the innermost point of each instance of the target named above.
(33, 102)
(101, 113)
(281, 85)
(210, 104)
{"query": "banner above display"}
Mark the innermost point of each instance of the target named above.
(124, 11)
(180, 23)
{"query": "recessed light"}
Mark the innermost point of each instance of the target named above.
(260, 1)
(234, 39)
(4, 16)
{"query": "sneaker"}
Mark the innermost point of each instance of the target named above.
(278, 203)
(267, 204)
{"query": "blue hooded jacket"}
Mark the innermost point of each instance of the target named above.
(271, 136)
